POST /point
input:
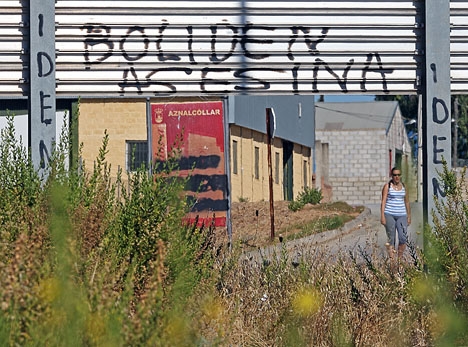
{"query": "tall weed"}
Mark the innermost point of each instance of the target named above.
(444, 285)
(86, 262)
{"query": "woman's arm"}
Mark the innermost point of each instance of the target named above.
(383, 203)
(408, 208)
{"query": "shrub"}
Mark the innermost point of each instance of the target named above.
(308, 196)
(295, 205)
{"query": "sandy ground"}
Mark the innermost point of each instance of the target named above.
(251, 221)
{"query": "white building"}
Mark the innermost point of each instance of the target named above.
(360, 142)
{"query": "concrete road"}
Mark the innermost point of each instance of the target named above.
(364, 235)
(370, 234)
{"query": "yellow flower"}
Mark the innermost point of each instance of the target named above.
(48, 289)
(307, 301)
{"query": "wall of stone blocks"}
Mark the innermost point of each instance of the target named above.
(358, 190)
(123, 120)
(355, 153)
(358, 163)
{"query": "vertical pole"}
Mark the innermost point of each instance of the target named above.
(270, 171)
(420, 146)
(149, 136)
(227, 168)
(42, 105)
(436, 103)
(455, 133)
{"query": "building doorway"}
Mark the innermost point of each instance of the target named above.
(288, 170)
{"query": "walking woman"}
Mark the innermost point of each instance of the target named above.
(395, 213)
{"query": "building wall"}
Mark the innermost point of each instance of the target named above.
(301, 167)
(398, 138)
(357, 164)
(123, 120)
(244, 184)
(126, 120)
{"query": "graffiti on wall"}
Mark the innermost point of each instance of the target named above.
(197, 127)
(226, 58)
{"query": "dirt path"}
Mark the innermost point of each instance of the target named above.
(363, 235)
(251, 222)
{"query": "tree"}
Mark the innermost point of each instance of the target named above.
(408, 104)
(409, 110)
(460, 119)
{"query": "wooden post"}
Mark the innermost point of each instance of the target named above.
(269, 126)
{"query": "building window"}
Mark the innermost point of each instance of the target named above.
(305, 169)
(257, 162)
(137, 155)
(277, 164)
(234, 157)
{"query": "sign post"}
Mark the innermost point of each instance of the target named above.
(270, 126)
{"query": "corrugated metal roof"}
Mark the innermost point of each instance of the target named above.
(354, 115)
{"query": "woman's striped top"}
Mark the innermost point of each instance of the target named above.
(395, 204)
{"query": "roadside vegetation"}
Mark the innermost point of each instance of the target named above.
(88, 261)
(309, 196)
(337, 215)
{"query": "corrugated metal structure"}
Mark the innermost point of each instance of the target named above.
(111, 48)
(192, 47)
(459, 46)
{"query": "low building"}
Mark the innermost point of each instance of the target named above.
(291, 146)
(241, 172)
(361, 142)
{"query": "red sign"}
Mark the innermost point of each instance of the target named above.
(197, 129)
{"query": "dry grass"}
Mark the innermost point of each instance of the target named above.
(321, 302)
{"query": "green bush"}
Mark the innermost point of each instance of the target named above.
(308, 196)
(85, 262)
(295, 205)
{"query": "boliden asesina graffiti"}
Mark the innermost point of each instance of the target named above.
(226, 56)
